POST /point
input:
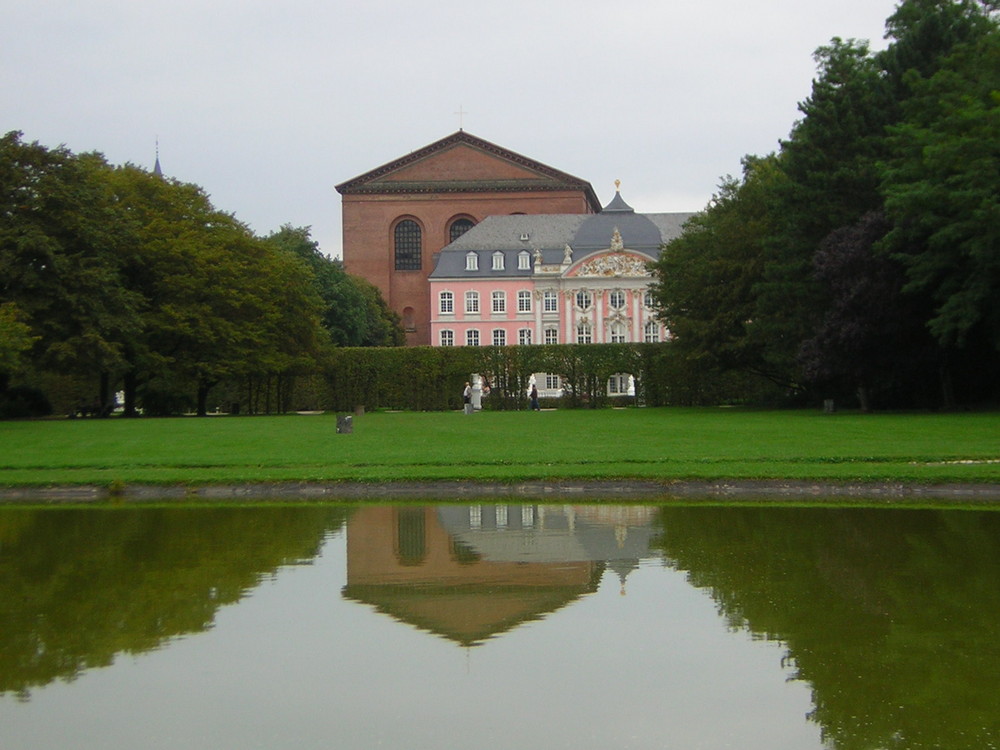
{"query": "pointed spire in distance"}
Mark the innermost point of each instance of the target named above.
(156, 166)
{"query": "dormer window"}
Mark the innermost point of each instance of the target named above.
(523, 261)
(471, 262)
(498, 261)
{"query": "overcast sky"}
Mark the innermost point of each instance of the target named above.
(267, 105)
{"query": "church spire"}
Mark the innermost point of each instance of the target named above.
(156, 166)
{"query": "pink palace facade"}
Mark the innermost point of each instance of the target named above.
(551, 279)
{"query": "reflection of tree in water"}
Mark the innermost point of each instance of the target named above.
(892, 616)
(78, 587)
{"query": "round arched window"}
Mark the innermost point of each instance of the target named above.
(407, 239)
(458, 228)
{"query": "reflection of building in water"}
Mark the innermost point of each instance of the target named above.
(471, 572)
(617, 535)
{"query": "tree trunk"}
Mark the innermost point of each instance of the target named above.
(203, 388)
(104, 395)
(864, 399)
(129, 382)
(947, 389)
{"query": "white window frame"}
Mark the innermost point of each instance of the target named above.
(524, 261)
(524, 337)
(584, 299)
(499, 337)
(446, 337)
(446, 303)
(551, 335)
(472, 337)
(472, 301)
(618, 333)
(584, 332)
(550, 301)
(471, 261)
(524, 301)
(498, 302)
(498, 264)
(616, 295)
(651, 332)
(552, 382)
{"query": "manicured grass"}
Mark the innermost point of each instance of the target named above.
(660, 444)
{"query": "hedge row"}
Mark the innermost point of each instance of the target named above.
(433, 378)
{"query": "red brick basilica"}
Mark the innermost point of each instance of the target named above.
(398, 216)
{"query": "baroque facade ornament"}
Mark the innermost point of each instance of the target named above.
(616, 241)
(617, 264)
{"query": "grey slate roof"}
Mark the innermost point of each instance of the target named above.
(550, 233)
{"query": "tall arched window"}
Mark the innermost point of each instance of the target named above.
(411, 536)
(458, 228)
(407, 238)
(651, 332)
(408, 320)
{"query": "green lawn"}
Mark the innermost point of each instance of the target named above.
(660, 444)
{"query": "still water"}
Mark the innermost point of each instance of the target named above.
(499, 626)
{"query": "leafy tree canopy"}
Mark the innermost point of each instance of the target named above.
(355, 313)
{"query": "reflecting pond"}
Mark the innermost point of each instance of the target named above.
(499, 626)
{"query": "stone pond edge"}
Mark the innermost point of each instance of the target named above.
(749, 490)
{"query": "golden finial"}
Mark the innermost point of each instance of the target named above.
(618, 186)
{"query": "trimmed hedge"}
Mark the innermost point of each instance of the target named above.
(432, 378)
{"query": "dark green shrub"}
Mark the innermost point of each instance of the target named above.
(23, 401)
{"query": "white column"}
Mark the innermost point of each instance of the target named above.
(570, 321)
(637, 321)
(538, 299)
(599, 335)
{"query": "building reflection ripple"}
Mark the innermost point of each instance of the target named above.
(470, 573)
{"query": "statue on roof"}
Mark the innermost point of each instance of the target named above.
(616, 241)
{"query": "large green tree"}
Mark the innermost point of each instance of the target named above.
(910, 133)
(355, 313)
(941, 179)
(15, 340)
(871, 335)
(60, 240)
(706, 280)
(942, 189)
(218, 302)
(830, 180)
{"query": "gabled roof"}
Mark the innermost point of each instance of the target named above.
(497, 170)
(470, 615)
